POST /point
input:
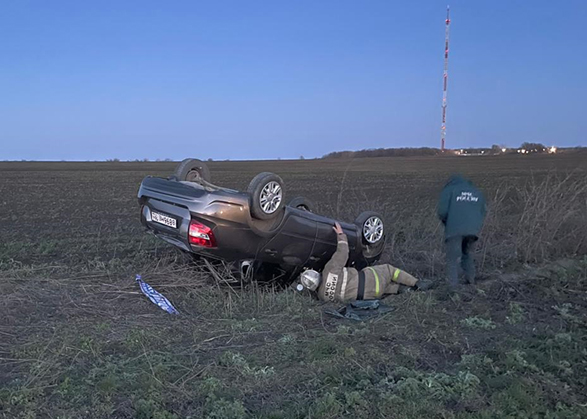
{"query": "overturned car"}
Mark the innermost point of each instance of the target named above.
(254, 231)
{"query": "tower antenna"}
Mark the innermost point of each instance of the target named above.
(445, 81)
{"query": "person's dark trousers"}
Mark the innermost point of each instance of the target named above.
(460, 247)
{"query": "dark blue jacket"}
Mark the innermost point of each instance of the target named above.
(461, 208)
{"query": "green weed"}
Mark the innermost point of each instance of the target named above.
(225, 409)
(239, 363)
(478, 323)
(565, 311)
(516, 314)
(150, 409)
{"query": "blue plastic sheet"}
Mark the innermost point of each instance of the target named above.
(156, 297)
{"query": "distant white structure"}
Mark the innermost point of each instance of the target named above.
(550, 150)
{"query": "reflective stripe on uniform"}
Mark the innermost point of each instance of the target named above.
(345, 276)
(396, 275)
(376, 281)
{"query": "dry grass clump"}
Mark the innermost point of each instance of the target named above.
(542, 219)
(529, 222)
(553, 219)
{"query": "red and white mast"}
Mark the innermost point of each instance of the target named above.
(445, 81)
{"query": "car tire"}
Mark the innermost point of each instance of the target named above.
(266, 195)
(301, 203)
(371, 229)
(192, 170)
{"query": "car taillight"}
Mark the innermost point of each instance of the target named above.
(201, 235)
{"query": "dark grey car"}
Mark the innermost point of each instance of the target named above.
(252, 229)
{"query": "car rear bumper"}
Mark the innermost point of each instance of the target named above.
(233, 241)
(224, 211)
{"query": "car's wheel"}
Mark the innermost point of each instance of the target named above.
(267, 194)
(372, 232)
(192, 170)
(301, 203)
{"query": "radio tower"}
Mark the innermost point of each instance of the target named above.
(445, 81)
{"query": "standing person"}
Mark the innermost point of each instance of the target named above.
(342, 284)
(462, 210)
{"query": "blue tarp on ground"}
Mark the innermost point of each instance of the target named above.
(156, 297)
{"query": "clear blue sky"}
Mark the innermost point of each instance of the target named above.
(84, 80)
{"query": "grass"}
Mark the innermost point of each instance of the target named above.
(78, 339)
(267, 354)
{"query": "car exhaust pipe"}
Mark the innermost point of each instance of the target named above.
(246, 270)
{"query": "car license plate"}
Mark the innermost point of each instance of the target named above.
(163, 219)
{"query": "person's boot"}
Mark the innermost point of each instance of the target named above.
(469, 269)
(470, 277)
(424, 284)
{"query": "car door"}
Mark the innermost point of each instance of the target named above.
(293, 243)
(325, 244)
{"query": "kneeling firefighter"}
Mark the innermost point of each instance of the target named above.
(342, 284)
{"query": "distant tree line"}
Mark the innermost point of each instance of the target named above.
(495, 149)
(384, 152)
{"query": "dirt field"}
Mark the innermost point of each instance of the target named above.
(78, 339)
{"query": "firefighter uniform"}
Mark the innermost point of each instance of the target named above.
(343, 284)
